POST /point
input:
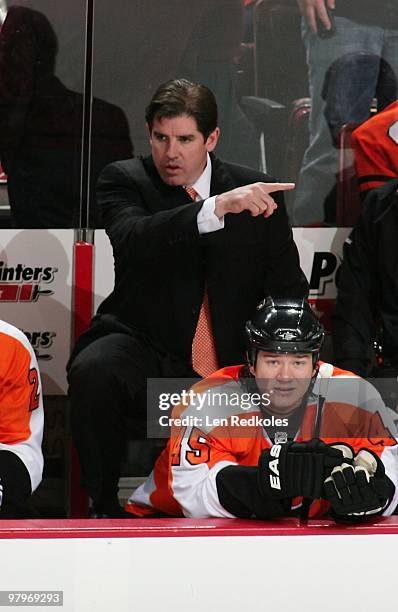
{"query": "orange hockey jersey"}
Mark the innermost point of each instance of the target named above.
(21, 405)
(226, 429)
(375, 145)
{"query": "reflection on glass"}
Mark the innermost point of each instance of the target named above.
(41, 126)
(148, 45)
(352, 57)
(250, 54)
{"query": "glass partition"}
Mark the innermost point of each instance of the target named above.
(42, 65)
(289, 98)
(76, 78)
(139, 45)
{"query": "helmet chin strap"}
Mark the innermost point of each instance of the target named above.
(251, 357)
(311, 385)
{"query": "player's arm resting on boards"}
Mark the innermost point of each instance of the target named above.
(207, 480)
(284, 472)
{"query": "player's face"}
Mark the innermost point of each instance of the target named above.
(285, 377)
(179, 150)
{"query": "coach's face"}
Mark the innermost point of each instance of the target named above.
(179, 150)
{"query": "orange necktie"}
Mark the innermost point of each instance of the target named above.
(204, 358)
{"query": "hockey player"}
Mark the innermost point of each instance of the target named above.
(375, 146)
(21, 420)
(283, 433)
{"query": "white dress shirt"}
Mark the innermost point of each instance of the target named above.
(207, 219)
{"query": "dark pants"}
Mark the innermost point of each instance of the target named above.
(107, 386)
(15, 484)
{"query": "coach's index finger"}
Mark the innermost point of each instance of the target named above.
(271, 187)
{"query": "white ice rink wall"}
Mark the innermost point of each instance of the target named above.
(186, 565)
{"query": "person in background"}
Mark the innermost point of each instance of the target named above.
(248, 20)
(359, 38)
(365, 329)
(375, 146)
(41, 129)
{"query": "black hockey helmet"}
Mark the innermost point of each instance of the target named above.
(286, 325)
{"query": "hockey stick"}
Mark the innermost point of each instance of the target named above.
(325, 373)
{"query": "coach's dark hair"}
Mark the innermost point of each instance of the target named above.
(182, 97)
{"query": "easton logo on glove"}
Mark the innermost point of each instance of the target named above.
(274, 480)
(296, 469)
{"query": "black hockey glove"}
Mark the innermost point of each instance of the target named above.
(360, 489)
(296, 469)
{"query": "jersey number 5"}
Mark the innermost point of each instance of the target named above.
(199, 449)
(200, 452)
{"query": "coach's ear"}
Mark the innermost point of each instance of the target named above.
(212, 140)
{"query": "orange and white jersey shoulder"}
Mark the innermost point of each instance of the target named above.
(354, 413)
(375, 145)
(183, 482)
(21, 402)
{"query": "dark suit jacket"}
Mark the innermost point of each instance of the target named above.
(162, 264)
